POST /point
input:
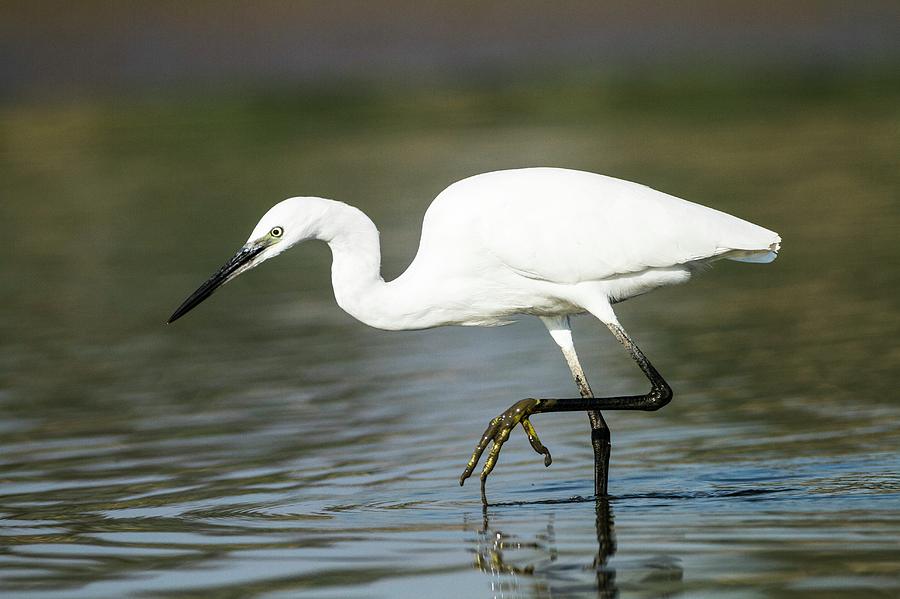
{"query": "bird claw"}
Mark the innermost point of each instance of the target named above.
(498, 432)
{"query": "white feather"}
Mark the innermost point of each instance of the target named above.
(542, 241)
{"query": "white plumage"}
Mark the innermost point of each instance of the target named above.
(548, 242)
(565, 238)
(542, 241)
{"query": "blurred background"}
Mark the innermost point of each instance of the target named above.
(268, 445)
(51, 47)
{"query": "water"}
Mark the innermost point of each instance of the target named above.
(270, 446)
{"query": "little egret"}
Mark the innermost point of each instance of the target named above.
(549, 242)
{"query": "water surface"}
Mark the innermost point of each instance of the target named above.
(270, 446)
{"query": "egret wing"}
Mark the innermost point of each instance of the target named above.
(570, 226)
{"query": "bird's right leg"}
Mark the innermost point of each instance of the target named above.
(561, 331)
(659, 395)
(499, 429)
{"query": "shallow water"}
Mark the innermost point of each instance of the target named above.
(268, 445)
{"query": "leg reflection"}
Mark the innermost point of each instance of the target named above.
(529, 565)
(606, 547)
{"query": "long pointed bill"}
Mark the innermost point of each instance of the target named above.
(238, 264)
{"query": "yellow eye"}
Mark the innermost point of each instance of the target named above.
(276, 232)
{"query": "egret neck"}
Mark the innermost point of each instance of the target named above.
(356, 277)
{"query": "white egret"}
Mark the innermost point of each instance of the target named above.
(548, 242)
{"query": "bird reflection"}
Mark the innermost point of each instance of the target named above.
(506, 558)
(606, 547)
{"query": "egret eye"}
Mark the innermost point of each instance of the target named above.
(276, 232)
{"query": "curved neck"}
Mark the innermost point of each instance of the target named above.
(356, 271)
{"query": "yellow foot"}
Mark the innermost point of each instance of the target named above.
(498, 432)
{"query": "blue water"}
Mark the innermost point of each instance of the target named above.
(267, 445)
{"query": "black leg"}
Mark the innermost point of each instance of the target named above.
(601, 442)
(660, 393)
(500, 427)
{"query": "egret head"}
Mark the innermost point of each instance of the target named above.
(283, 226)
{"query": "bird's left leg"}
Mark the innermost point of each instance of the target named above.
(499, 429)
(659, 395)
(498, 432)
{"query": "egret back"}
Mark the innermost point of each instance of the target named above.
(569, 226)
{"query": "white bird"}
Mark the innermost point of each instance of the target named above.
(548, 242)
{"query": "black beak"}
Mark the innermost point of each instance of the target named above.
(231, 269)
